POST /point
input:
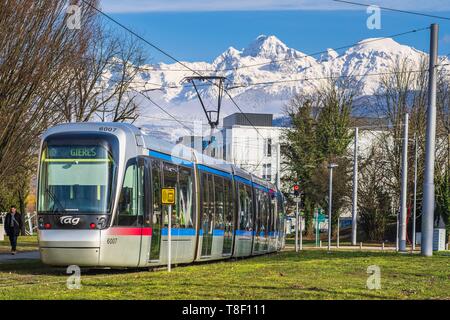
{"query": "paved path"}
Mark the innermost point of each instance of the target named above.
(29, 255)
(355, 248)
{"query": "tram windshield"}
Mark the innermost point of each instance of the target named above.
(76, 179)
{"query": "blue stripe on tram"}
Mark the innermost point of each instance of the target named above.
(170, 158)
(216, 233)
(244, 233)
(214, 171)
(243, 180)
(178, 232)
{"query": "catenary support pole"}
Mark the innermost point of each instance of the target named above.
(415, 195)
(278, 166)
(296, 229)
(330, 201)
(355, 190)
(404, 191)
(169, 238)
(430, 149)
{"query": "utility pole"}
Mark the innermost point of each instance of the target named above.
(278, 166)
(355, 189)
(337, 234)
(301, 230)
(415, 195)
(404, 185)
(296, 229)
(430, 149)
(330, 200)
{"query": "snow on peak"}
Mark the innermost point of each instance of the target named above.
(331, 54)
(379, 44)
(266, 47)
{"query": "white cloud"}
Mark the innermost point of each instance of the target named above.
(116, 6)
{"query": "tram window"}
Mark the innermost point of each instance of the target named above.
(211, 201)
(207, 203)
(185, 198)
(219, 202)
(245, 207)
(258, 211)
(131, 202)
(171, 181)
(228, 205)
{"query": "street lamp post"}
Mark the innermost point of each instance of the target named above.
(331, 166)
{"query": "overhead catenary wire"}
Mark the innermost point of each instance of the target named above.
(165, 53)
(190, 69)
(395, 35)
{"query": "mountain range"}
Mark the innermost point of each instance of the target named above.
(263, 78)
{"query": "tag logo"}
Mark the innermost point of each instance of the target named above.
(69, 220)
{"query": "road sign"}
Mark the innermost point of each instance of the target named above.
(168, 195)
(297, 199)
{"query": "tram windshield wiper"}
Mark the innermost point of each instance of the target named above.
(55, 201)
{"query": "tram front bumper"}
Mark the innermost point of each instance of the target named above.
(83, 257)
(76, 247)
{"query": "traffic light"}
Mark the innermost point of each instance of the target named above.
(296, 190)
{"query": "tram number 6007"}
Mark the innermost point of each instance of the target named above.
(111, 240)
(107, 129)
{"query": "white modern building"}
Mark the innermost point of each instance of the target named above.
(251, 142)
(248, 140)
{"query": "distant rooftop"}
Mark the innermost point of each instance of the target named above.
(248, 119)
(370, 123)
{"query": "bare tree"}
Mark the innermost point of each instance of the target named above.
(36, 45)
(100, 87)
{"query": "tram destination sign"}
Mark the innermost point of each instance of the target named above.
(168, 195)
(77, 152)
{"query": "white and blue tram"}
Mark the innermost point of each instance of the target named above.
(99, 201)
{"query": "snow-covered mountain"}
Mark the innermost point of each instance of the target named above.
(280, 71)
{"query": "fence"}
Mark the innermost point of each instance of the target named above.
(30, 222)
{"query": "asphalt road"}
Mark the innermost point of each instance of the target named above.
(29, 255)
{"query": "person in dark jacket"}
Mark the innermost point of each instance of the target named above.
(13, 226)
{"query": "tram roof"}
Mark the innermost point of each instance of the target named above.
(175, 150)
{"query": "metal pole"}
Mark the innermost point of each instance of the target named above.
(169, 234)
(330, 198)
(337, 239)
(396, 236)
(428, 183)
(404, 185)
(301, 233)
(415, 195)
(355, 189)
(317, 228)
(278, 166)
(296, 229)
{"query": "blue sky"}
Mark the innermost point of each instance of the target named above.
(199, 30)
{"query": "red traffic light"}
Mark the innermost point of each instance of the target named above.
(296, 187)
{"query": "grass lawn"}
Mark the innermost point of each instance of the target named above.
(25, 243)
(312, 274)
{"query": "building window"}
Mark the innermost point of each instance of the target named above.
(267, 171)
(268, 147)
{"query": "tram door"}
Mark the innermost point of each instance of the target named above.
(207, 214)
(156, 219)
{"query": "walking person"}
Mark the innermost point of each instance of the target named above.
(13, 226)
